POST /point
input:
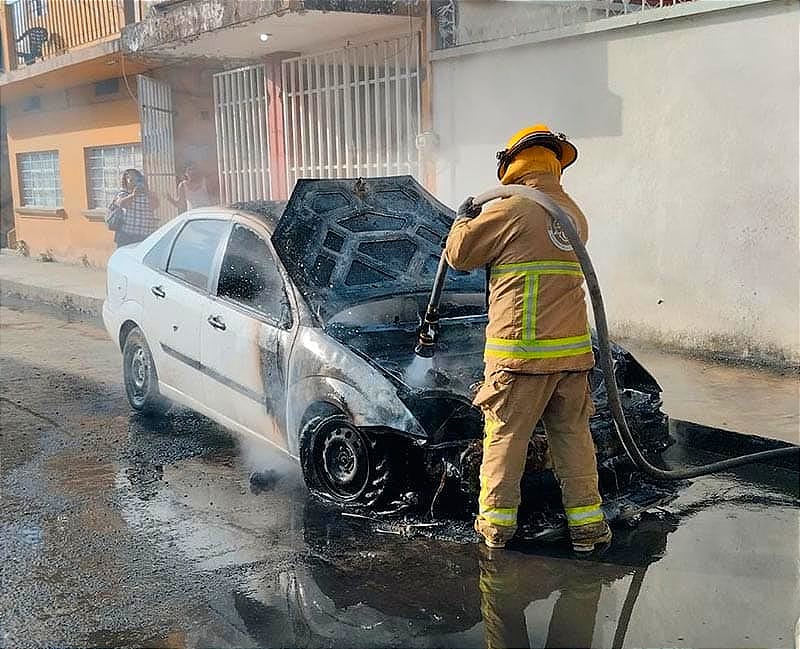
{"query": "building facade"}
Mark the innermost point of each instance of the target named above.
(685, 113)
(255, 94)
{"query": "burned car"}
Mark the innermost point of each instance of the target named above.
(297, 323)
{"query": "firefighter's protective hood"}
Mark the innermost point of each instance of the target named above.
(537, 159)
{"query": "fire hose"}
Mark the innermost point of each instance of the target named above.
(429, 331)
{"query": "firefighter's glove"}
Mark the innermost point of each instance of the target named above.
(468, 209)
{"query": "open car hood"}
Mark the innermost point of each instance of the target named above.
(348, 241)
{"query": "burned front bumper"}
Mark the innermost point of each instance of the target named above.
(453, 457)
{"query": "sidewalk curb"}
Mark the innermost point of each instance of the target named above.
(84, 304)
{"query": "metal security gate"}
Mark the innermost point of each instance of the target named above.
(240, 108)
(353, 112)
(158, 150)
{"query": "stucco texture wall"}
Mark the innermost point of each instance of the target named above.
(69, 124)
(688, 167)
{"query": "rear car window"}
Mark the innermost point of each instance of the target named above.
(192, 255)
(158, 255)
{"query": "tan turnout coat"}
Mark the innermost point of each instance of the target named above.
(537, 310)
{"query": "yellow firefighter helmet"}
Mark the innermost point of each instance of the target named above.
(537, 135)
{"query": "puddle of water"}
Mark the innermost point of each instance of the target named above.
(293, 572)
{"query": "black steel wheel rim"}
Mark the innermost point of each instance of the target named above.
(343, 458)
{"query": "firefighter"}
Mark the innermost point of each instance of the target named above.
(538, 345)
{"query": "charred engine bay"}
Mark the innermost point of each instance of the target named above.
(445, 465)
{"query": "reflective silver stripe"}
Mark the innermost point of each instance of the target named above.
(530, 297)
(533, 347)
(584, 515)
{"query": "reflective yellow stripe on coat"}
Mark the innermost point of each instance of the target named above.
(528, 346)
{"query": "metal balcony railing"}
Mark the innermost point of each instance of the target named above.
(578, 11)
(550, 15)
(40, 29)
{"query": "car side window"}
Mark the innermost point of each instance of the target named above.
(192, 256)
(250, 277)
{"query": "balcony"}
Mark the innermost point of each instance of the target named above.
(38, 30)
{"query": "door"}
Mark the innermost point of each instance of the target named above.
(247, 337)
(176, 302)
(158, 149)
(240, 112)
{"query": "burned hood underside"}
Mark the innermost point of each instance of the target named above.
(346, 241)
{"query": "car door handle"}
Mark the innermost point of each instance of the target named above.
(217, 322)
(158, 291)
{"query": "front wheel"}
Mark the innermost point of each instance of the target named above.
(343, 464)
(141, 379)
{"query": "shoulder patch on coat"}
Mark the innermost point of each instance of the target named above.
(557, 235)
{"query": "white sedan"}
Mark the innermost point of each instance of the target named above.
(294, 323)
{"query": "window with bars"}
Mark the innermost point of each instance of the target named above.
(40, 179)
(104, 168)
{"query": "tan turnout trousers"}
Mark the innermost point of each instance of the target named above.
(512, 404)
(538, 352)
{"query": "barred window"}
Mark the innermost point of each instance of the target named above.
(40, 179)
(104, 168)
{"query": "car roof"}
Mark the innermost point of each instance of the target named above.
(267, 213)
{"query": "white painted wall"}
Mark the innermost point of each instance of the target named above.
(688, 169)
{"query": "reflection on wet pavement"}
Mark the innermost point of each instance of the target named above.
(305, 575)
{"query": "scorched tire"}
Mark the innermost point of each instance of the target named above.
(141, 378)
(342, 464)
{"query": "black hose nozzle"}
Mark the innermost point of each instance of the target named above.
(428, 334)
(429, 331)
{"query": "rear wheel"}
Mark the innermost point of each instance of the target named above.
(343, 464)
(141, 379)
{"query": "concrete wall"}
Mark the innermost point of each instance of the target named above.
(6, 199)
(484, 20)
(688, 167)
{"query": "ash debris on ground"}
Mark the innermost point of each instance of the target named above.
(263, 480)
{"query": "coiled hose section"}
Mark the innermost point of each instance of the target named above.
(605, 361)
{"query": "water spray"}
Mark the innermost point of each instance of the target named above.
(430, 328)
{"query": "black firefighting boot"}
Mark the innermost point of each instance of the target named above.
(592, 537)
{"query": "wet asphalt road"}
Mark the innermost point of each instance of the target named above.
(118, 531)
